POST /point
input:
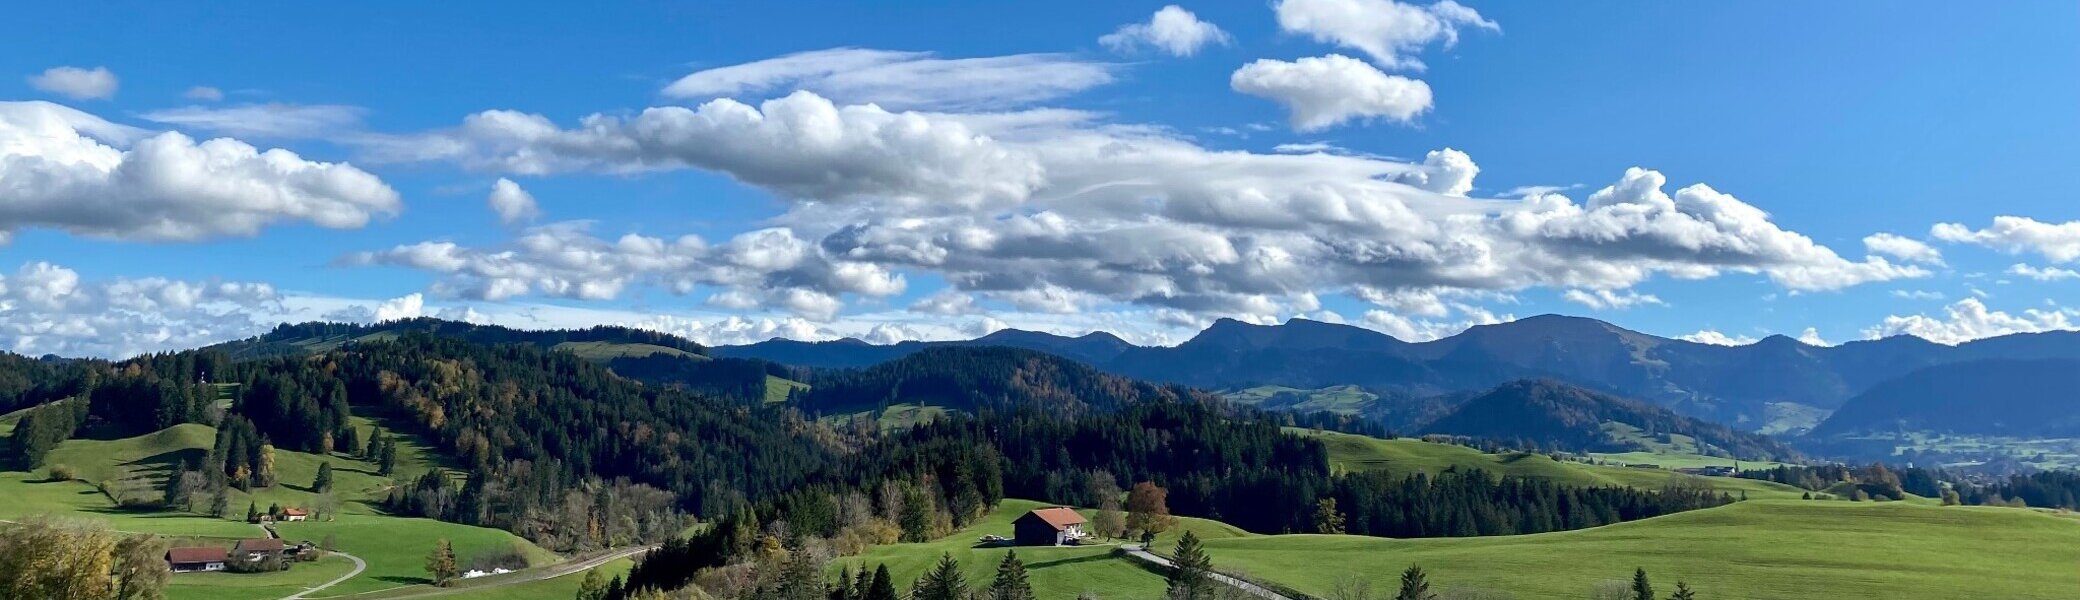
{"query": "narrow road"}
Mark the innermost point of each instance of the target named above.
(517, 577)
(359, 566)
(1141, 553)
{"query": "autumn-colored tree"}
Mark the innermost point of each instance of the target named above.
(441, 563)
(1148, 508)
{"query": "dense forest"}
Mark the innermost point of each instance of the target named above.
(1543, 414)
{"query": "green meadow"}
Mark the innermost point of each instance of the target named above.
(1405, 455)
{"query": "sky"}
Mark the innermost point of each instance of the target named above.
(176, 174)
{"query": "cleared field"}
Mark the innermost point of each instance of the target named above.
(558, 588)
(1341, 399)
(604, 351)
(396, 547)
(1680, 461)
(1056, 572)
(1760, 550)
(1404, 455)
(777, 388)
(255, 586)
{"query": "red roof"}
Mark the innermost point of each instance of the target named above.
(295, 512)
(1059, 517)
(194, 555)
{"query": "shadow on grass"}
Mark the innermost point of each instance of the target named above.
(1065, 562)
(402, 580)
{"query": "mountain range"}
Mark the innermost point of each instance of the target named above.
(1747, 386)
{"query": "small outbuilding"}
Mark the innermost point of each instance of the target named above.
(195, 559)
(259, 548)
(1051, 526)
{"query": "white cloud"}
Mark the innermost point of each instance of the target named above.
(77, 83)
(1969, 319)
(902, 80)
(2043, 273)
(1906, 249)
(1171, 29)
(1386, 30)
(1917, 294)
(1405, 328)
(64, 169)
(1610, 300)
(408, 306)
(1306, 148)
(1811, 337)
(1715, 338)
(1447, 171)
(802, 146)
(512, 203)
(2059, 242)
(204, 93)
(275, 121)
(50, 309)
(1326, 91)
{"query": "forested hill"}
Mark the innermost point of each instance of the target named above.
(594, 342)
(1553, 415)
(973, 379)
(1989, 397)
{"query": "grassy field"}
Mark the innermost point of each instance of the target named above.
(1407, 455)
(1056, 572)
(559, 588)
(778, 387)
(1680, 461)
(1342, 399)
(1758, 550)
(605, 351)
(394, 547)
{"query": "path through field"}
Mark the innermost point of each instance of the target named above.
(528, 576)
(359, 566)
(1141, 553)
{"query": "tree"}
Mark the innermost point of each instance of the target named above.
(220, 503)
(140, 568)
(386, 461)
(1148, 508)
(323, 483)
(594, 587)
(441, 563)
(1351, 587)
(263, 475)
(1326, 518)
(1415, 585)
(1641, 589)
(1109, 522)
(1950, 497)
(41, 558)
(943, 582)
(1191, 572)
(1011, 581)
(1682, 592)
(252, 512)
(883, 587)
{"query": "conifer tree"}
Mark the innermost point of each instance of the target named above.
(1191, 572)
(386, 461)
(323, 483)
(593, 587)
(943, 582)
(884, 586)
(441, 563)
(1011, 581)
(1641, 589)
(1326, 518)
(1415, 585)
(1683, 592)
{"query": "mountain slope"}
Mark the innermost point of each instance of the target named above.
(1556, 415)
(601, 343)
(1991, 397)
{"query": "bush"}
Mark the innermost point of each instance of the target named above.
(62, 472)
(509, 558)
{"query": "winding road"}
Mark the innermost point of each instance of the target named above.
(1141, 553)
(515, 578)
(359, 566)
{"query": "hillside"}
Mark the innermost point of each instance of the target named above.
(1404, 456)
(1756, 550)
(974, 378)
(1553, 415)
(1719, 383)
(2024, 398)
(601, 343)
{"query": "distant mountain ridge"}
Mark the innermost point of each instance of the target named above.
(2003, 397)
(1734, 385)
(1553, 415)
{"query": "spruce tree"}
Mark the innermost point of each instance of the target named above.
(943, 582)
(441, 563)
(1191, 572)
(884, 587)
(1415, 585)
(1683, 592)
(593, 588)
(252, 512)
(1641, 590)
(387, 460)
(1011, 581)
(323, 483)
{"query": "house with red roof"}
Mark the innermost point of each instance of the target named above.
(1051, 526)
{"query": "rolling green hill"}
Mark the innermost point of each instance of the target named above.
(1758, 550)
(1056, 572)
(1405, 455)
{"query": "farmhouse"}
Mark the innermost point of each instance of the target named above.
(295, 514)
(1048, 527)
(256, 549)
(195, 559)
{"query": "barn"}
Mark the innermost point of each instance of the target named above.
(1051, 526)
(190, 560)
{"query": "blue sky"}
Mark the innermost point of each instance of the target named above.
(935, 170)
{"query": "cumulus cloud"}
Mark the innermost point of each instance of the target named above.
(274, 120)
(1447, 171)
(2043, 273)
(1811, 337)
(512, 203)
(204, 93)
(1386, 30)
(77, 83)
(1326, 91)
(1969, 319)
(64, 169)
(802, 146)
(408, 306)
(1609, 299)
(1716, 338)
(903, 80)
(49, 309)
(1906, 249)
(1172, 29)
(1415, 329)
(1917, 294)
(2059, 242)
